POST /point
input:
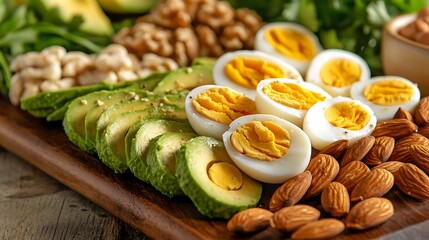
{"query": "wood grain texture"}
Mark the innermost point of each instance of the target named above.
(45, 146)
(36, 206)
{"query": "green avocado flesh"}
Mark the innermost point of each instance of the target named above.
(161, 159)
(148, 130)
(111, 148)
(59, 98)
(105, 117)
(186, 78)
(193, 160)
(74, 118)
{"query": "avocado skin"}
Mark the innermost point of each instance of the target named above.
(206, 204)
(159, 175)
(53, 105)
(176, 99)
(74, 118)
(137, 158)
(186, 78)
(115, 160)
(57, 99)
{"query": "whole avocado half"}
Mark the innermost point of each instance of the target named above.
(193, 160)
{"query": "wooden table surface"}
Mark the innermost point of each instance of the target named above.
(35, 206)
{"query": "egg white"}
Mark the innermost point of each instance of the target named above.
(383, 112)
(221, 79)
(265, 104)
(261, 43)
(313, 72)
(202, 125)
(321, 132)
(295, 161)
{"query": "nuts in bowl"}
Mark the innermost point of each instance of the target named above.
(404, 52)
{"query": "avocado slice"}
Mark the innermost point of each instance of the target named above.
(58, 114)
(57, 99)
(208, 176)
(161, 160)
(176, 98)
(74, 118)
(149, 129)
(186, 78)
(41, 112)
(111, 148)
(204, 61)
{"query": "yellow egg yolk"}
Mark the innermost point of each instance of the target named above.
(388, 92)
(223, 105)
(291, 43)
(340, 73)
(248, 72)
(266, 141)
(292, 95)
(348, 115)
(225, 175)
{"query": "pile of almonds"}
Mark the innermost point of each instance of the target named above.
(350, 181)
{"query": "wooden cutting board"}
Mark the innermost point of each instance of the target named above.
(45, 146)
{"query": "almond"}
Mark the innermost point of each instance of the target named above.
(412, 181)
(391, 166)
(322, 229)
(396, 128)
(249, 220)
(291, 191)
(335, 200)
(424, 130)
(403, 113)
(380, 151)
(336, 149)
(375, 184)
(420, 156)
(358, 150)
(401, 150)
(421, 113)
(369, 213)
(289, 219)
(323, 168)
(351, 174)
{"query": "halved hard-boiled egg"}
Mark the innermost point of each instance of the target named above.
(210, 109)
(287, 98)
(267, 148)
(336, 70)
(385, 94)
(243, 70)
(336, 119)
(291, 42)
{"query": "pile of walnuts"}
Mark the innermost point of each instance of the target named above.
(185, 29)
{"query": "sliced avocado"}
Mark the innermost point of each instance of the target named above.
(41, 112)
(177, 98)
(161, 159)
(210, 179)
(111, 148)
(95, 112)
(204, 61)
(57, 99)
(74, 118)
(127, 6)
(149, 82)
(59, 113)
(149, 129)
(186, 78)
